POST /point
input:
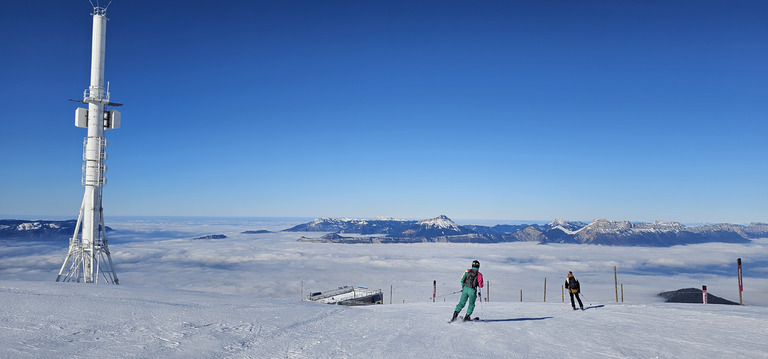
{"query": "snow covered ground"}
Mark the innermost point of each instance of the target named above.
(64, 320)
(239, 297)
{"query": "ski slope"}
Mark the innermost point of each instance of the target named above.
(65, 320)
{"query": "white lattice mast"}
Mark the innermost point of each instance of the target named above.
(88, 257)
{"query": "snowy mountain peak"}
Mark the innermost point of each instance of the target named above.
(566, 226)
(441, 222)
(14, 228)
(349, 225)
(666, 225)
(558, 222)
(604, 225)
(435, 227)
(385, 218)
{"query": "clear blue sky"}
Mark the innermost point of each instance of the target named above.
(626, 110)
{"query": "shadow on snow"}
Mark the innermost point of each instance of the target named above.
(514, 319)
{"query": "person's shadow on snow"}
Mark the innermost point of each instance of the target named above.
(513, 319)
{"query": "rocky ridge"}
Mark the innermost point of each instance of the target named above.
(597, 232)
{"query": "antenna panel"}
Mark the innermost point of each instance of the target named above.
(111, 119)
(81, 117)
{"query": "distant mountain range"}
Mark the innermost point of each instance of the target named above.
(443, 229)
(600, 231)
(41, 229)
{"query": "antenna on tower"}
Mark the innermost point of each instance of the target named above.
(97, 9)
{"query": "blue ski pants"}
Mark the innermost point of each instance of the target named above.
(467, 293)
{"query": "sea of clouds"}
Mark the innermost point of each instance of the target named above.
(163, 253)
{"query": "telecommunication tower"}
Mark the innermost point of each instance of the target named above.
(88, 257)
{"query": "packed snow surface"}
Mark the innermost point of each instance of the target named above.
(67, 320)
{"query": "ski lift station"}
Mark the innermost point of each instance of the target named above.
(347, 295)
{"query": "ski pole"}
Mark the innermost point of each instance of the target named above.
(479, 295)
(585, 298)
(443, 295)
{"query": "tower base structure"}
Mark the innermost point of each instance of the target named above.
(86, 263)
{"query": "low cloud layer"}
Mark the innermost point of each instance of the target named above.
(163, 254)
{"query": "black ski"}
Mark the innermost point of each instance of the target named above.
(475, 319)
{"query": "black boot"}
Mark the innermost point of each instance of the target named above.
(455, 314)
(467, 318)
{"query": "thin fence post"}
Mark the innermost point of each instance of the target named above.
(521, 295)
(545, 289)
(434, 290)
(390, 294)
(741, 285)
(615, 284)
(622, 292)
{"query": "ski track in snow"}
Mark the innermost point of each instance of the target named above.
(52, 320)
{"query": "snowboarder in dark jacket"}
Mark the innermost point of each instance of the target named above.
(572, 284)
(470, 282)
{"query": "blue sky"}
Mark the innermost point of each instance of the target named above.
(508, 110)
